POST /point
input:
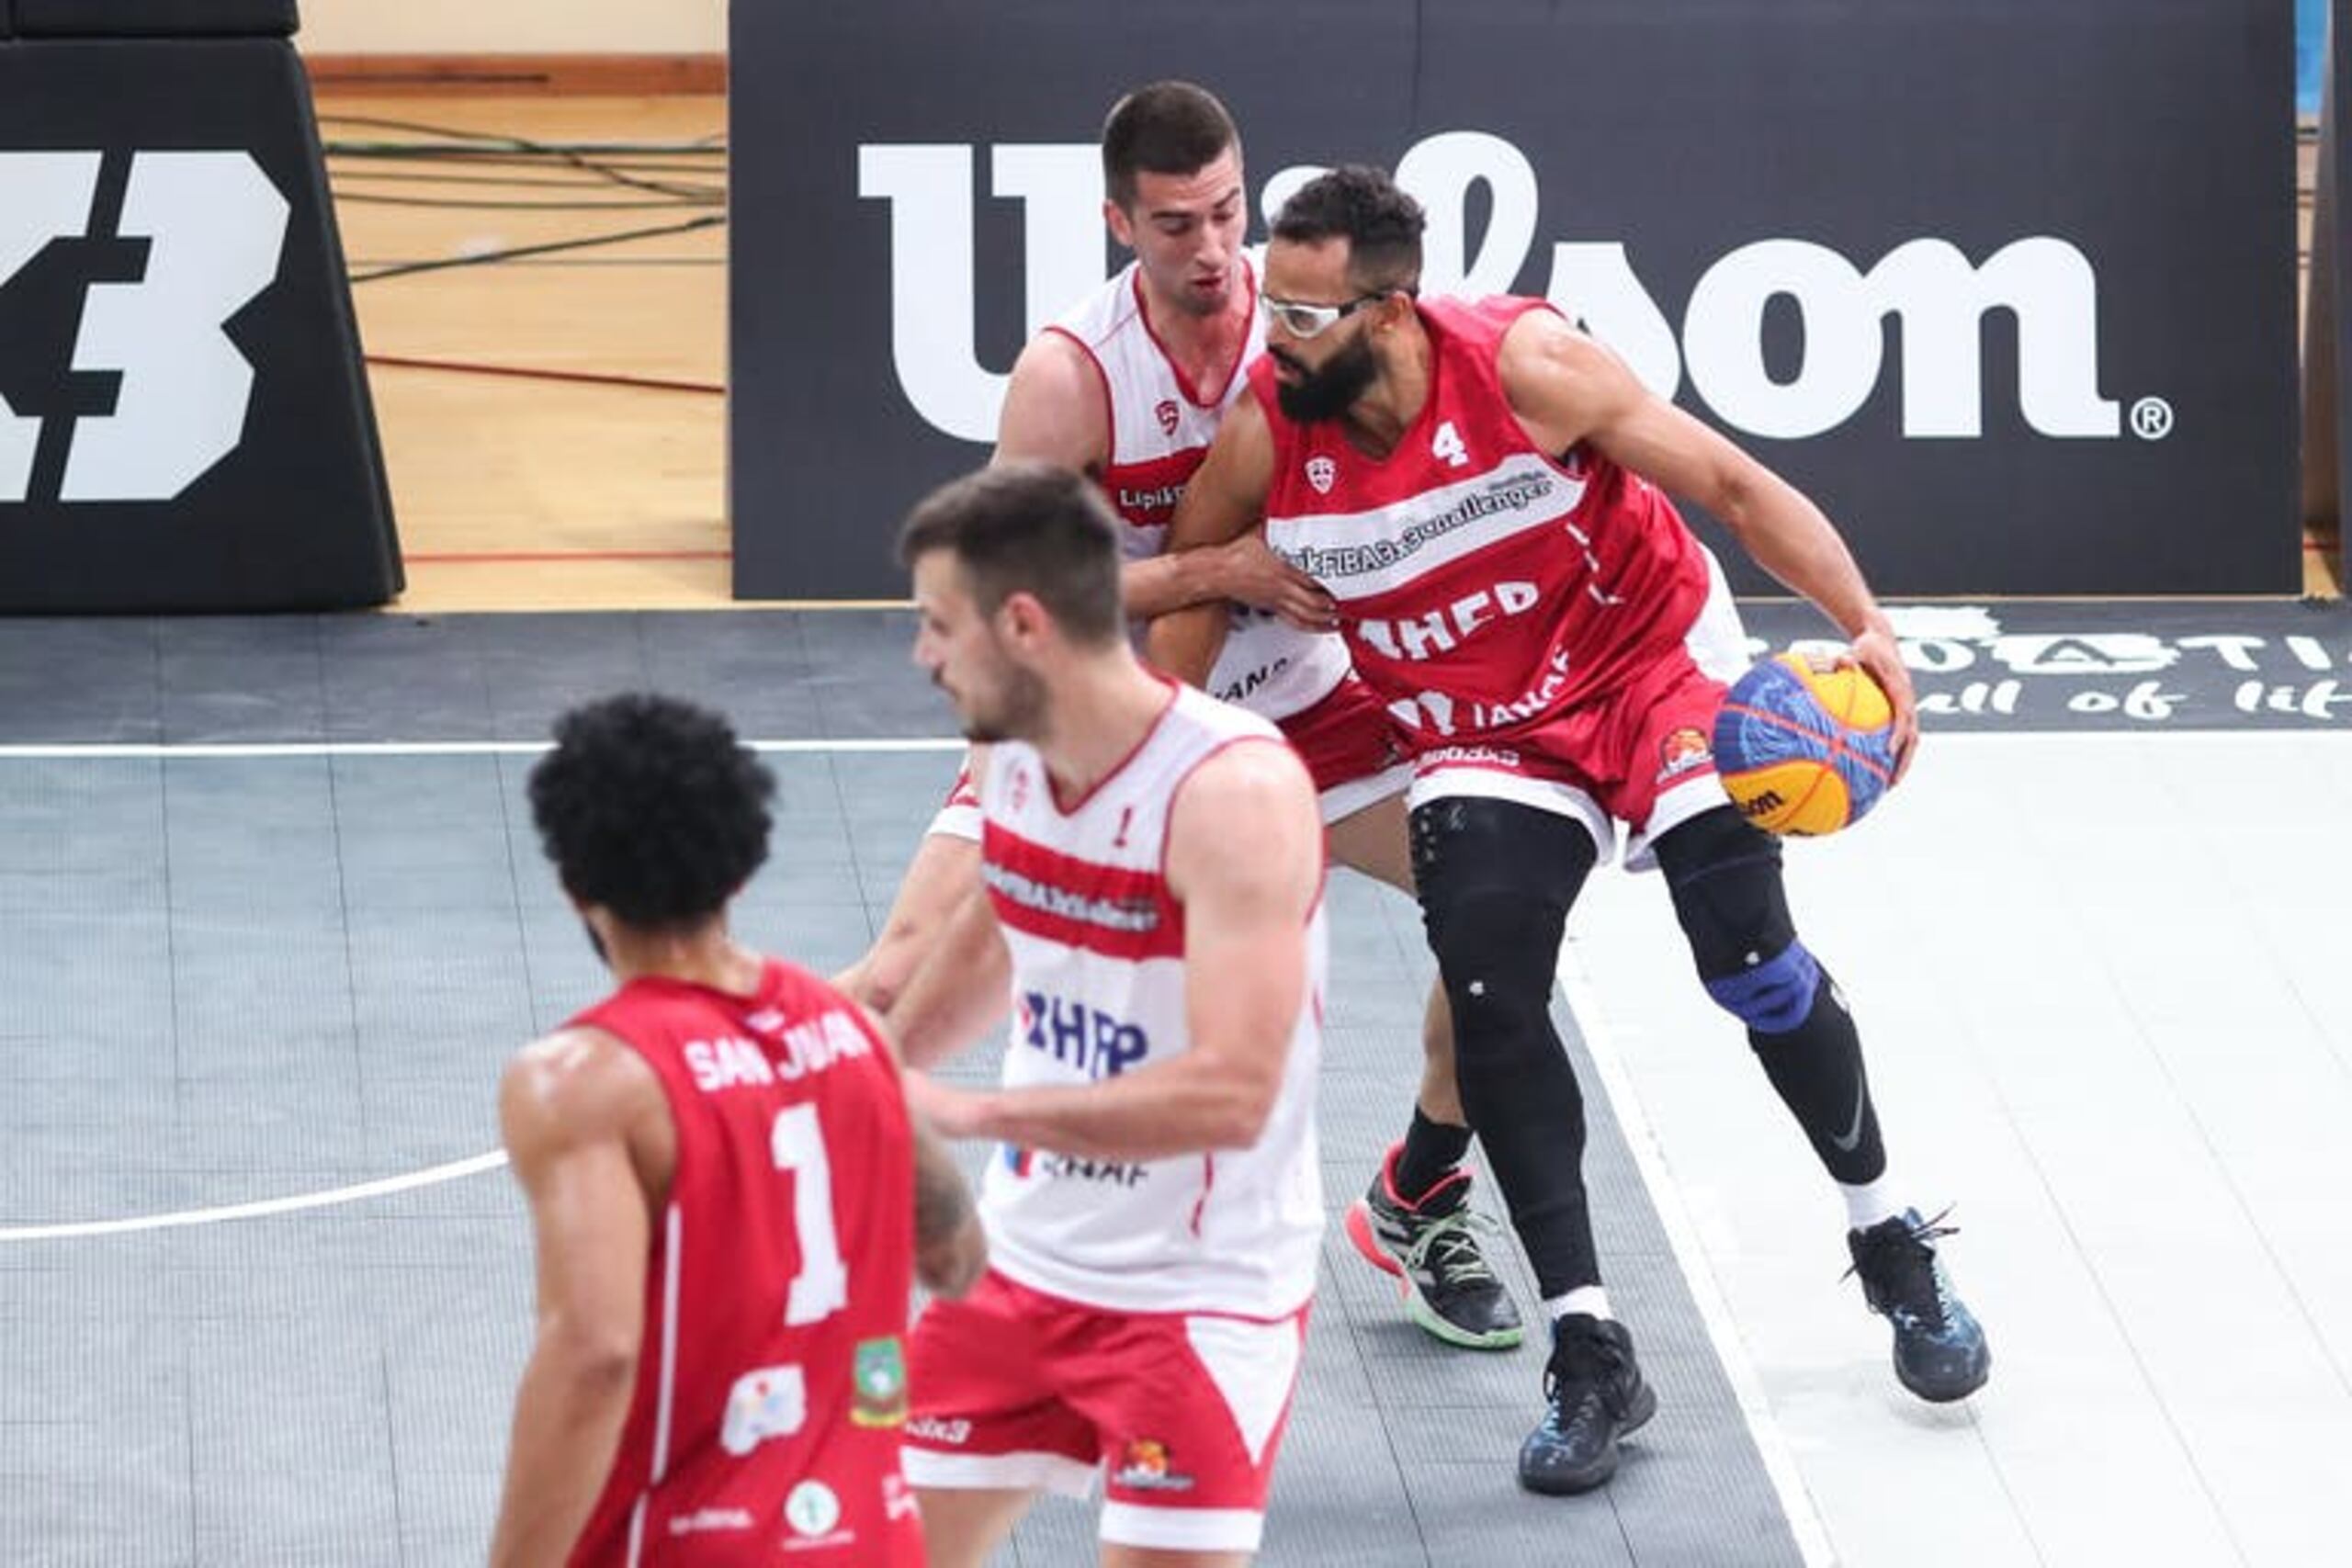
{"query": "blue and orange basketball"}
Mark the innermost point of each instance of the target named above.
(1803, 749)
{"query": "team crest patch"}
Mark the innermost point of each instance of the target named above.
(814, 1511)
(1680, 751)
(1322, 473)
(1168, 415)
(1147, 1470)
(878, 1384)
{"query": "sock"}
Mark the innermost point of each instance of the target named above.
(1431, 1151)
(1589, 1300)
(1870, 1203)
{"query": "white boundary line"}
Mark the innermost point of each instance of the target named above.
(1665, 1197)
(107, 751)
(430, 1176)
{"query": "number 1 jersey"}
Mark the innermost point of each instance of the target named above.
(770, 1386)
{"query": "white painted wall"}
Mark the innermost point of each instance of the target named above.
(515, 27)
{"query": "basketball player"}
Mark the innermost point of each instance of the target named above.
(728, 1195)
(1128, 388)
(1153, 870)
(1483, 489)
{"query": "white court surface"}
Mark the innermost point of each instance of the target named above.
(2100, 980)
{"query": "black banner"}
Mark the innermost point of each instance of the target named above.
(2042, 666)
(183, 420)
(152, 19)
(2329, 250)
(2007, 287)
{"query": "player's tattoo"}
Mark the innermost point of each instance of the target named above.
(950, 1248)
(943, 1202)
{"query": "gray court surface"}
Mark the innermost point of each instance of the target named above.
(245, 976)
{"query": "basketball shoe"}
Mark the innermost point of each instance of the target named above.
(1431, 1245)
(1940, 1351)
(1594, 1396)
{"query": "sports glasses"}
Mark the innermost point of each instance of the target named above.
(1302, 320)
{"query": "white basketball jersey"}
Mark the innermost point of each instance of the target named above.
(1160, 429)
(1098, 989)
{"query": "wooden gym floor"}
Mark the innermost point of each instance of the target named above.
(518, 492)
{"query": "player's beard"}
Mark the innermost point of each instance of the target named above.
(1325, 394)
(1017, 713)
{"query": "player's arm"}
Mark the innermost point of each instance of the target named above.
(568, 1107)
(1054, 410)
(1566, 388)
(961, 989)
(947, 867)
(1217, 552)
(1223, 503)
(1245, 860)
(1242, 571)
(950, 1246)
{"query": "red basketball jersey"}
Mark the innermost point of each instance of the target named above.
(1483, 585)
(765, 1428)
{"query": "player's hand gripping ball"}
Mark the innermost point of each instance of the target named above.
(1805, 748)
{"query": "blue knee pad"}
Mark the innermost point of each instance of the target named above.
(1773, 997)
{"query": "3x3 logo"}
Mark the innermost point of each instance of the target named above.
(119, 272)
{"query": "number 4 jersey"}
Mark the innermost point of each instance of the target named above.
(770, 1386)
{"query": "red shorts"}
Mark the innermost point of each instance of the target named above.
(1351, 747)
(1641, 753)
(1180, 1413)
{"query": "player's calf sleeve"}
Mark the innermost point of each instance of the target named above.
(1817, 1069)
(1725, 879)
(1495, 881)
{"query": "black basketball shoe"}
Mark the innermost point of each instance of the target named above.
(1940, 1351)
(1596, 1396)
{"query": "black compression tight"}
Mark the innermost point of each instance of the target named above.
(1495, 881)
